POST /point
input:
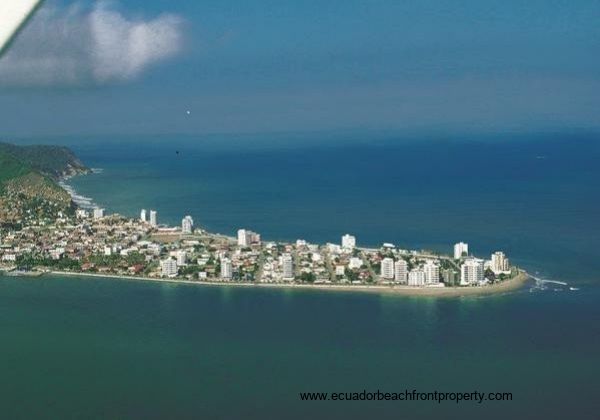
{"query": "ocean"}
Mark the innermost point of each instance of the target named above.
(80, 347)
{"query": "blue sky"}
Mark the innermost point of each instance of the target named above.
(258, 66)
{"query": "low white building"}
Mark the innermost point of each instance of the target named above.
(355, 263)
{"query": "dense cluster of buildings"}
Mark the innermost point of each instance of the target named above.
(95, 242)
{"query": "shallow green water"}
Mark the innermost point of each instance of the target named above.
(81, 347)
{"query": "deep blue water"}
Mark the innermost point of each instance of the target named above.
(534, 197)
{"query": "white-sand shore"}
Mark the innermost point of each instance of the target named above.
(503, 287)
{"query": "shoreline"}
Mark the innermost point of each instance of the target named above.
(506, 286)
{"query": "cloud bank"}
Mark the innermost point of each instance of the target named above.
(79, 46)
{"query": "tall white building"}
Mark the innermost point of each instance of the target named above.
(401, 271)
(287, 267)
(143, 216)
(98, 213)
(247, 237)
(500, 263)
(471, 272)
(168, 267)
(187, 225)
(153, 219)
(348, 241)
(181, 257)
(432, 272)
(226, 268)
(416, 277)
(387, 268)
(460, 249)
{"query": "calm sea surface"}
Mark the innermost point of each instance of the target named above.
(112, 348)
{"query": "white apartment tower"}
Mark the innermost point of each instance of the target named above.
(247, 237)
(500, 263)
(387, 268)
(153, 220)
(416, 277)
(401, 271)
(181, 257)
(287, 267)
(348, 241)
(226, 268)
(432, 272)
(187, 225)
(143, 216)
(471, 272)
(168, 267)
(460, 249)
(243, 237)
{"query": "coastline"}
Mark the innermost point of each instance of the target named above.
(503, 287)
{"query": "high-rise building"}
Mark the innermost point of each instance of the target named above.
(181, 257)
(243, 237)
(348, 241)
(153, 218)
(247, 237)
(187, 225)
(287, 267)
(432, 272)
(401, 271)
(226, 268)
(98, 213)
(143, 216)
(416, 277)
(461, 249)
(387, 268)
(471, 272)
(499, 263)
(168, 267)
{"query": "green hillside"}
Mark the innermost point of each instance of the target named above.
(53, 161)
(28, 181)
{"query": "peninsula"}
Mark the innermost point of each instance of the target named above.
(43, 231)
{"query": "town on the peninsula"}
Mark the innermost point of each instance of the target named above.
(92, 242)
(43, 230)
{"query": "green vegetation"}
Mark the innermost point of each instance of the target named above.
(28, 181)
(52, 161)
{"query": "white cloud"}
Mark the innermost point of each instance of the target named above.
(77, 46)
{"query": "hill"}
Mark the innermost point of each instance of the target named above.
(28, 182)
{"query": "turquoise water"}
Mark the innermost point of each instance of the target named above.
(85, 348)
(80, 347)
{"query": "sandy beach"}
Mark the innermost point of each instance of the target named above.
(503, 287)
